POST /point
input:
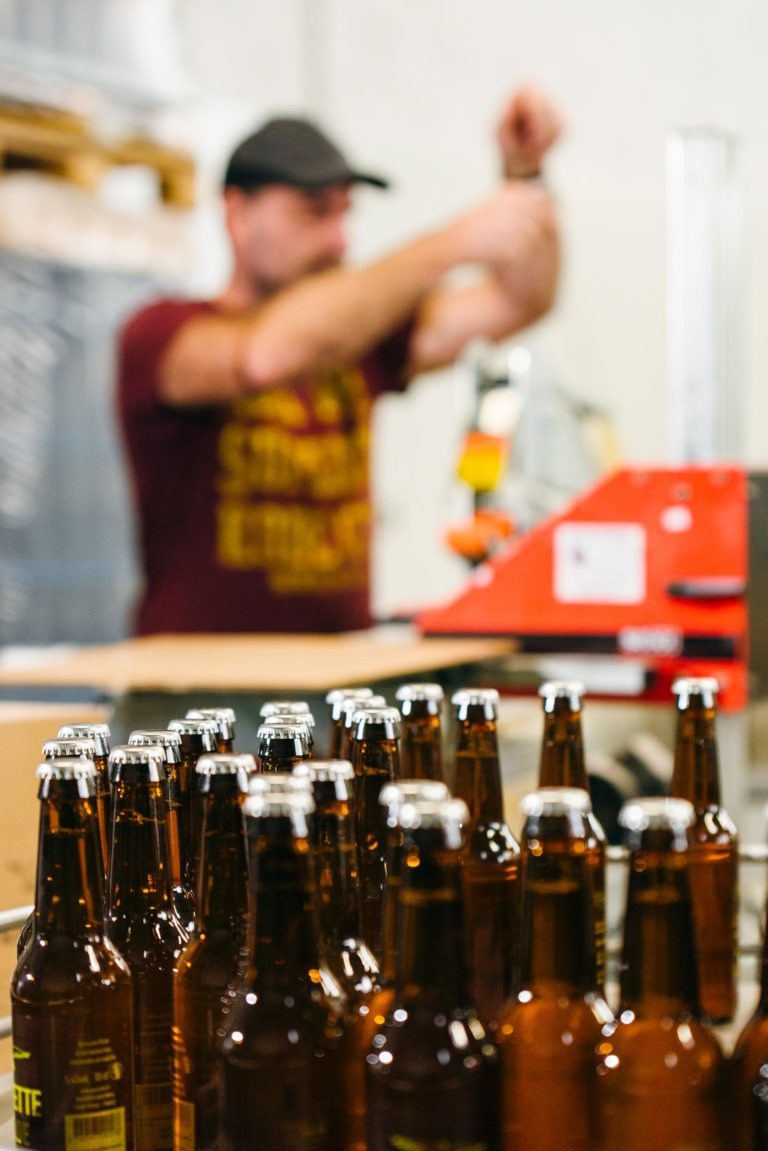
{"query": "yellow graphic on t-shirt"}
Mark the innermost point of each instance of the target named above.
(292, 486)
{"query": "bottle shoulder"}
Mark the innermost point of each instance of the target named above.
(554, 1023)
(664, 1042)
(419, 1042)
(68, 969)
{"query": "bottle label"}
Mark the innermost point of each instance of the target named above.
(85, 1091)
(183, 1125)
(154, 1117)
(99, 1131)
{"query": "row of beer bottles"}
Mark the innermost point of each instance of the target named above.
(371, 732)
(299, 1063)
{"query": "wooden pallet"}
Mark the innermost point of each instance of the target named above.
(63, 144)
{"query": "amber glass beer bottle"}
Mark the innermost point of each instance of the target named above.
(432, 1070)
(335, 700)
(283, 741)
(71, 992)
(225, 718)
(209, 965)
(349, 709)
(198, 737)
(714, 847)
(562, 764)
(102, 739)
(76, 747)
(296, 710)
(170, 742)
(375, 756)
(661, 1074)
(142, 922)
(747, 1079)
(282, 1061)
(348, 956)
(421, 742)
(492, 855)
(549, 1035)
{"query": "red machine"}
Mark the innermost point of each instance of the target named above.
(649, 564)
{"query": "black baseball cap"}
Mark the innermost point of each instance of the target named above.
(292, 151)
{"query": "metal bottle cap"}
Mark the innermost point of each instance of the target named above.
(351, 706)
(226, 763)
(170, 741)
(394, 795)
(376, 723)
(278, 736)
(688, 687)
(224, 716)
(280, 794)
(336, 698)
(421, 691)
(657, 812)
(485, 698)
(324, 770)
(150, 758)
(296, 707)
(98, 732)
(68, 767)
(207, 729)
(449, 814)
(69, 748)
(556, 801)
(570, 690)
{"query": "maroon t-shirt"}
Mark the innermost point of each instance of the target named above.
(255, 515)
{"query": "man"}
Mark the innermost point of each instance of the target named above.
(246, 418)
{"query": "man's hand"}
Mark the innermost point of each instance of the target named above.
(509, 229)
(529, 126)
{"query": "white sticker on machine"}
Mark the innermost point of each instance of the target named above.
(599, 563)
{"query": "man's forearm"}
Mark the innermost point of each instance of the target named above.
(336, 316)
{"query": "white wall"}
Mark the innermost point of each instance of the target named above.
(412, 87)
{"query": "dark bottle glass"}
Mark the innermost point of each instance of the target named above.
(198, 737)
(375, 756)
(225, 718)
(714, 847)
(282, 743)
(170, 742)
(102, 738)
(73, 747)
(492, 856)
(392, 797)
(747, 1071)
(298, 710)
(421, 742)
(550, 1034)
(349, 709)
(210, 963)
(661, 1072)
(562, 764)
(71, 992)
(432, 1070)
(142, 921)
(335, 700)
(283, 1060)
(332, 837)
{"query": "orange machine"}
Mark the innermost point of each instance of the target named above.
(649, 564)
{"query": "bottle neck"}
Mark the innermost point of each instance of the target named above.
(282, 939)
(561, 763)
(139, 872)
(696, 773)
(222, 875)
(69, 886)
(557, 928)
(421, 750)
(333, 845)
(659, 972)
(478, 771)
(431, 967)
